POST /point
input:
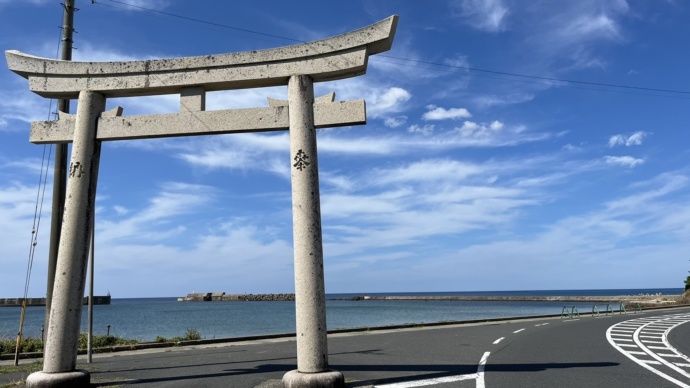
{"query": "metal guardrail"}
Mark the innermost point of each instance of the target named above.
(570, 312)
(596, 313)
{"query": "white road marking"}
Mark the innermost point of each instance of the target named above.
(480, 370)
(499, 340)
(422, 383)
(648, 331)
(650, 362)
(479, 377)
(517, 331)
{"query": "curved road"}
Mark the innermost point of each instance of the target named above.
(647, 349)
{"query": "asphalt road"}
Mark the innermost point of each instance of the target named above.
(608, 351)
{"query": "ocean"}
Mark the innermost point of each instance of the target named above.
(147, 318)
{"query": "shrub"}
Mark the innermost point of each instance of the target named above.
(102, 341)
(28, 345)
(191, 334)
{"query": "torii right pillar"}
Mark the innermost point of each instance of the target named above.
(310, 295)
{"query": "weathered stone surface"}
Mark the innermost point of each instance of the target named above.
(310, 295)
(74, 379)
(70, 274)
(333, 58)
(275, 118)
(326, 379)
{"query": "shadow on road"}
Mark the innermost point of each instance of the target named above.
(405, 372)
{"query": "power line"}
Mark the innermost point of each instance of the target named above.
(540, 78)
(548, 80)
(195, 20)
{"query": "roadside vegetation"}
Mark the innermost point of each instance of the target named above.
(191, 334)
(31, 345)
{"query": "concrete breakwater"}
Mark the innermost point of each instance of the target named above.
(657, 298)
(223, 297)
(18, 302)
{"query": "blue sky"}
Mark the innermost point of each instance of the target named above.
(461, 180)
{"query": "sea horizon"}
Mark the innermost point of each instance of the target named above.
(552, 292)
(146, 318)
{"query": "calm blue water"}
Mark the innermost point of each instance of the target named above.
(146, 318)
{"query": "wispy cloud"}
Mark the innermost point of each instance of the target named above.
(634, 139)
(174, 200)
(438, 113)
(485, 15)
(141, 5)
(625, 161)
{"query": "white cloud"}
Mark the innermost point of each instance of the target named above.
(650, 190)
(570, 37)
(395, 122)
(141, 5)
(625, 161)
(588, 27)
(634, 139)
(21, 105)
(470, 129)
(484, 15)
(438, 113)
(120, 210)
(488, 101)
(37, 2)
(428, 170)
(174, 200)
(389, 101)
(425, 130)
(571, 147)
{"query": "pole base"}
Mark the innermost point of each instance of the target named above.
(75, 379)
(327, 379)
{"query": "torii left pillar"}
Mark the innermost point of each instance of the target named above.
(60, 354)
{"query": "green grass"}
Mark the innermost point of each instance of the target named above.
(21, 383)
(29, 345)
(191, 334)
(22, 368)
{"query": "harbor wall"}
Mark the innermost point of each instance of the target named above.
(18, 302)
(223, 297)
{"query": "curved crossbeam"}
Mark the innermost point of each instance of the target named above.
(338, 57)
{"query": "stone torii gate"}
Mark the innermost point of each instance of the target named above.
(297, 66)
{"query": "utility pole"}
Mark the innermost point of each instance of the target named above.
(60, 168)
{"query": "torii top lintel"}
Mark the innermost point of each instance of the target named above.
(337, 57)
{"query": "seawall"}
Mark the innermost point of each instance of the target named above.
(18, 302)
(598, 299)
(223, 297)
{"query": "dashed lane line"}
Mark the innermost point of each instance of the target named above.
(478, 377)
